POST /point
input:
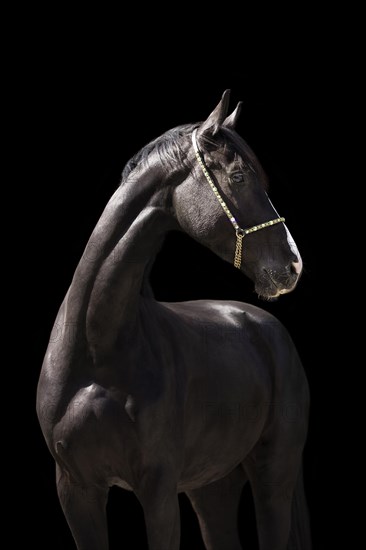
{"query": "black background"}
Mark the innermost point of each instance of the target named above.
(86, 105)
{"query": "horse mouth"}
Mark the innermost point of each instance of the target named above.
(269, 287)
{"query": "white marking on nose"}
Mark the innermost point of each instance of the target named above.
(296, 265)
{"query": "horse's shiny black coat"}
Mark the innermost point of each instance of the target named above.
(160, 398)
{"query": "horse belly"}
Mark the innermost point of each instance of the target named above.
(220, 434)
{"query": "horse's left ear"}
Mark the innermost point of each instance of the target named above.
(231, 120)
(217, 117)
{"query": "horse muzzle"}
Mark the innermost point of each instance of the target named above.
(273, 283)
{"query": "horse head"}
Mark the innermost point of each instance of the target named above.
(224, 205)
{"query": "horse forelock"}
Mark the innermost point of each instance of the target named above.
(235, 147)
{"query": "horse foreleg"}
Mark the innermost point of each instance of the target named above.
(85, 511)
(216, 506)
(158, 496)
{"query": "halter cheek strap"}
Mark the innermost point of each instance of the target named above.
(240, 233)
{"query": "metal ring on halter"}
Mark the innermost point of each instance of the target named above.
(240, 232)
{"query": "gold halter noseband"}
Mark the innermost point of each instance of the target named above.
(240, 233)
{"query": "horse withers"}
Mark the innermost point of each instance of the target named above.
(132, 390)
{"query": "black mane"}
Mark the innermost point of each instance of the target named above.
(167, 146)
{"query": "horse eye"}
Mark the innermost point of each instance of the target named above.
(238, 177)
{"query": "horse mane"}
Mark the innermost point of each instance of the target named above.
(167, 146)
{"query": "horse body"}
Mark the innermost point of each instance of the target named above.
(161, 398)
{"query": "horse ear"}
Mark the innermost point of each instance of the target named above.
(231, 120)
(216, 118)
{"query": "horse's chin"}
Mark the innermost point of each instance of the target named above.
(270, 292)
(266, 296)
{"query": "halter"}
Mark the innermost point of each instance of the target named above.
(240, 233)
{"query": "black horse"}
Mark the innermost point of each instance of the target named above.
(131, 389)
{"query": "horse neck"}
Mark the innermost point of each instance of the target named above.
(103, 301)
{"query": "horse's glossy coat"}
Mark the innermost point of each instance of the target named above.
(198, 396)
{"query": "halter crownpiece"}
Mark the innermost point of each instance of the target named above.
(240, 233)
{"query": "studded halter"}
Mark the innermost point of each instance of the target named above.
(240, 233)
